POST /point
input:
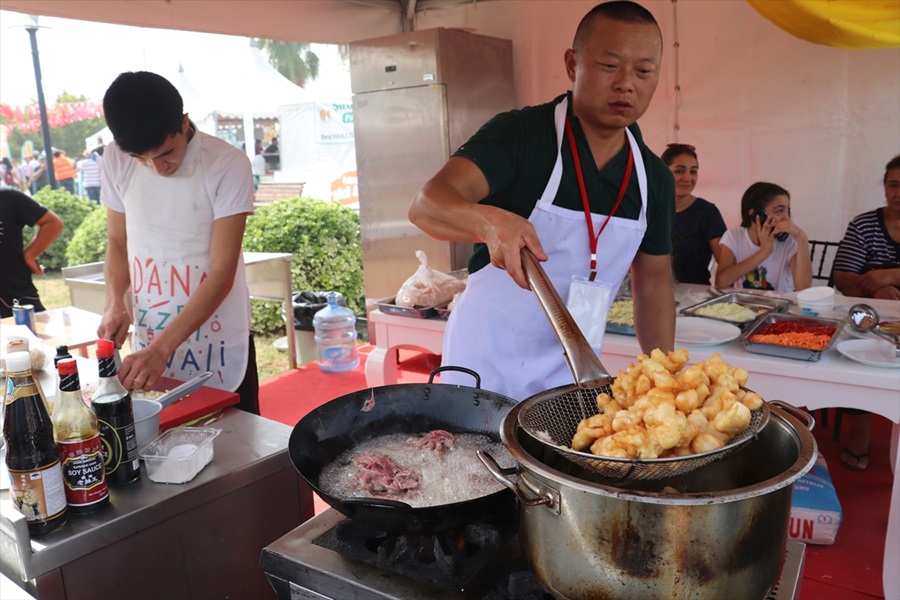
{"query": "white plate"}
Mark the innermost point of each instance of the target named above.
(697, 331)
(876, 353)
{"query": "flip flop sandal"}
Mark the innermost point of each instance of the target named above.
(859, 458)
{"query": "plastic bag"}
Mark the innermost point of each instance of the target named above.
(427, 286)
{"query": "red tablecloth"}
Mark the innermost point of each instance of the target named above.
(204, 401)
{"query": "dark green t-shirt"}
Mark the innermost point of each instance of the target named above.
(516, 151)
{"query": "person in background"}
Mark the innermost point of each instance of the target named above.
(177, 202)
(258, 165)
(24, 168)
(272, 156)
(516, 184)
(64, 171)
(9, 175)
(89, 170)
(18, 210)
(37, 170)
(867, 265)
(768, 250)
(698, 224)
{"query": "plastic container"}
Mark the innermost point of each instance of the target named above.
(335, 327)
(815, 300)
(179, 454)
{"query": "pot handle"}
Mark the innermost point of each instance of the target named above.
(804, 416)
(500, 474)
(461, 369)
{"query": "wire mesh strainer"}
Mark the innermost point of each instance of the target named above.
(552, 417)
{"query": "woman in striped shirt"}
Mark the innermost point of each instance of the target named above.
(867, 263)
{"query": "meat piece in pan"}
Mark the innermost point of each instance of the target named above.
(383, 478)
(438, 441)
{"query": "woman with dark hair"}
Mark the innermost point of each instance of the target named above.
(698, 223)
(768, 251)
(867, 265)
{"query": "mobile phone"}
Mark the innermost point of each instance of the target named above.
(762, 214)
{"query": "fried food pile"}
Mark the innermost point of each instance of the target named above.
(659, 410)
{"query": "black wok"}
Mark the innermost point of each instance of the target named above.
(340, 424)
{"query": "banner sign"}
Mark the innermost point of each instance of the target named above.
(334, 122)
(28, 119)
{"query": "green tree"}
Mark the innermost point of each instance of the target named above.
(294, 60)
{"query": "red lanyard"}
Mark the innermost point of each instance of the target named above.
(584, 199)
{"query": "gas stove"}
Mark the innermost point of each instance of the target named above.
(330, 557)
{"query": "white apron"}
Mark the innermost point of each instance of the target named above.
(169, 224)
(500, 330)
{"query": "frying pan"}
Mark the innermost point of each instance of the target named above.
(324, 434)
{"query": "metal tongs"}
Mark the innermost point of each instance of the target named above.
(864, 318)
(584, 364)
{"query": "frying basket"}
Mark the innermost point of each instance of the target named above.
(552, 417)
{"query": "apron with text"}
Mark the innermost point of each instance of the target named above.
(500, 331)
(169, 223)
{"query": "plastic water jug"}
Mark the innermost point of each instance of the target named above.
(335, 327)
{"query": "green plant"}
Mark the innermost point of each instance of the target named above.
(72, 210)
(88, 244)
(327, 254)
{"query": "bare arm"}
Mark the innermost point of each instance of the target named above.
(141, 369)
(447, 208)
(716, 248)
(49, 226)
(654, 302)
(116, 312)
(730, 270)
(801, 262)
(877, 283)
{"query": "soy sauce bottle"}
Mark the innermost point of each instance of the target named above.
(36, 479)
(112, 403)
(77, 434)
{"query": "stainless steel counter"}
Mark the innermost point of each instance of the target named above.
(199, 539)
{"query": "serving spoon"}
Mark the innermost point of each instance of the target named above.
(864, 318)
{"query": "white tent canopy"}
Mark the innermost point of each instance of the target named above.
(758, 103)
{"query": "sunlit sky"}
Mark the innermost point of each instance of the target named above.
(83, 57)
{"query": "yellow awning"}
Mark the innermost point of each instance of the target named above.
(839, 23)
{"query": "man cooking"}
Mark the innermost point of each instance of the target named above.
(527, 179)
(177, 201)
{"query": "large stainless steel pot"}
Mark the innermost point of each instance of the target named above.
(717, 532)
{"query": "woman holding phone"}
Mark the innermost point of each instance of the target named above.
(768, 251)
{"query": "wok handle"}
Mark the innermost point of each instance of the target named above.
(804, 416)
(500, 475)
(461, 369)
(352, 504)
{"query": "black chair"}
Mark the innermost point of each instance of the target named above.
(825, 256)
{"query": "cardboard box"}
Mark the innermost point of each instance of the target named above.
(815, 509)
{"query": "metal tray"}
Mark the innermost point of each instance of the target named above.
(620, 328)
(761, 304)
(808, 354)
(387, 306)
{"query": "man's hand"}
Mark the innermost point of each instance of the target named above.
(506, 234)
(139, 371)
(33, 266)
(114, 325)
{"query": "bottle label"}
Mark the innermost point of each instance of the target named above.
(119, 450)
(83, 471)
(39, 494)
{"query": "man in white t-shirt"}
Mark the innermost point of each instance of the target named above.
(177, 202)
